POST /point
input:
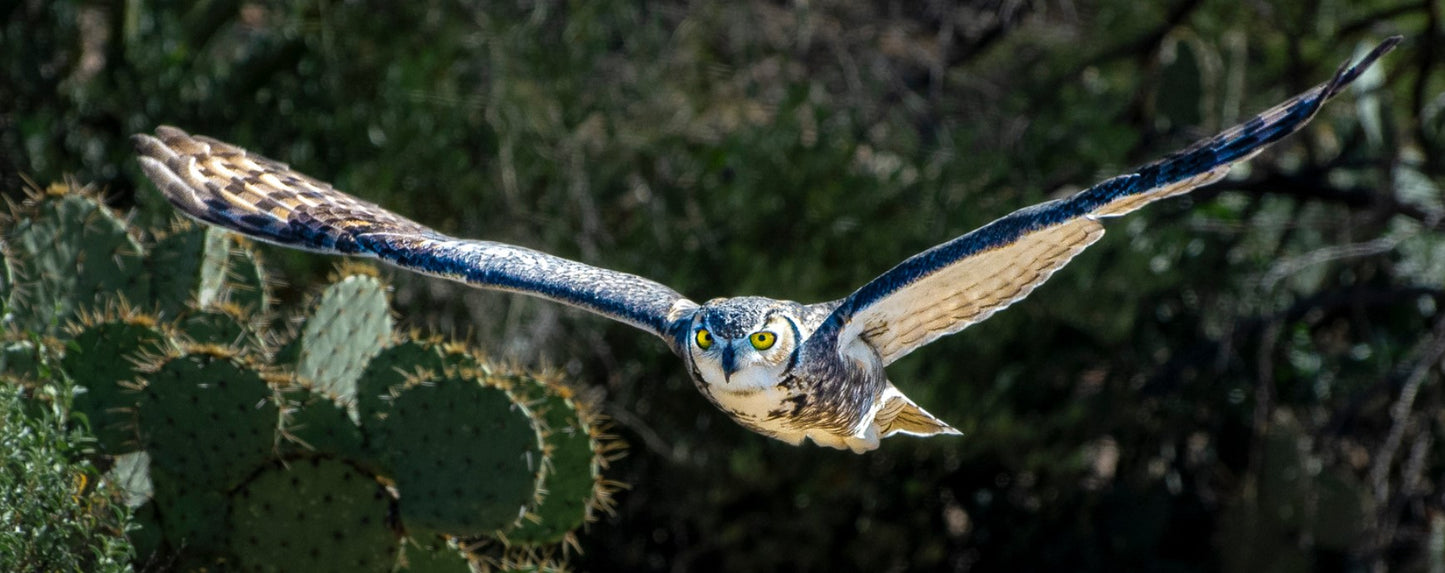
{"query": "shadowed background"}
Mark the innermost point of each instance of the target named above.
(1244, 379)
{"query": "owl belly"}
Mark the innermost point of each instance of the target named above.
(772, 412)
(762, 410)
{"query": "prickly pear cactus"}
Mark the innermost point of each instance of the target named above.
(222, 324)
(313, 515)
(73, 251)
(207, 418)
(147, 537)
(187, 266)
(433, 558)
(247, 285)
(234, 463)
(192, 517)
(215, 259)
(351, 323)
(385, 377)
(315, 425)
(389, 370)
(103, 358)
(467, 457)
(572, 476)
(528, 564)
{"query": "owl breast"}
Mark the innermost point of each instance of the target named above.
(764, 409)
(787, 413)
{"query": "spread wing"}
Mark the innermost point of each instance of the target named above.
(223, 185)
(958, 283)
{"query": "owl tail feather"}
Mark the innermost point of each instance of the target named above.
(899, 415)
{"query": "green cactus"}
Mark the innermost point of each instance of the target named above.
(215, 260)
(222, 324)
(389, 370)
(313, 515)
(174, 263)
(181, 263)
(247, 285)
(315, 425)
(572, 479)
(467, 457)
(529, 564)
(72, 250)
(351, 323)
(244, 462)
(103, 359)
(207, 418)
(438, 558)
(192, 517)
(147, 536)
(385, 375)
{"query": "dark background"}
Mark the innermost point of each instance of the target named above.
(1245, 379)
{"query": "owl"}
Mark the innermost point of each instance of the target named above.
(787, 370)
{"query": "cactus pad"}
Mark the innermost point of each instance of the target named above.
(174, 264)
(572, 470)
(417, 558)
(192, 517)
(147, 537)
(207, 418)
(221, 324)
(316, 425)
(466, 457)
(313, 515)
(215, 259)
(389, 370)
(246, 283)
(351, 324)
(73, 249)
(102, 361)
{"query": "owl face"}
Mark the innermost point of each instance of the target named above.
(743, 345)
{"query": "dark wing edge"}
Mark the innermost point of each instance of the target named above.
(928, 295)
(227, 186)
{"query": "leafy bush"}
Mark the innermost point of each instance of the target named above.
(52, 515)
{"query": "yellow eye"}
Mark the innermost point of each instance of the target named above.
(704, 339)
(763, 340)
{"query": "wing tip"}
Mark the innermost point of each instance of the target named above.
(164, 166)
(1350, 71)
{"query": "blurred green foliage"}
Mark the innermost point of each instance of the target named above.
(1243, 379)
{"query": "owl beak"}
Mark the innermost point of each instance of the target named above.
(729, 362)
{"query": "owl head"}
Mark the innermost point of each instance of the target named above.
(744, 343)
